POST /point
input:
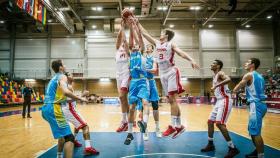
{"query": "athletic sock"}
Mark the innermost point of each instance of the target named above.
(59, 155)
(87, 143)
(211, 141)
(130, 127)
(230, 144)
(157, 124)
(178, 121)
(124, 117)
(261, 155)
(146, 117)
(173, 121)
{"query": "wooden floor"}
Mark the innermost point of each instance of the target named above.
(25, 138)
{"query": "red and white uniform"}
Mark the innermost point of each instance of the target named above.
(122, 75)
(72, 115)
(223, 105)
(169, 74)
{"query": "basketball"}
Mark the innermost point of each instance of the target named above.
(126, 13)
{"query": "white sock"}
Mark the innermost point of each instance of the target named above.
(178, 121)
(146, 117)
(87, 143)
(173, 120)
(210, 139)
(157, 124)
(261, 155)
(59, 155)
(124, 117)
(230, 144)
(130, 127)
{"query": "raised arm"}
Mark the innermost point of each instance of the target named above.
(140, 38)
(120, 36)
(246, 78)
(185, 55)
(146, 34)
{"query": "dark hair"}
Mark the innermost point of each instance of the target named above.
(219, 62)
(67, 74)
(256, 62)
(151, 46)
(170, 34)
(56, 64)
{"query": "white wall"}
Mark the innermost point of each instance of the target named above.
(4, 55)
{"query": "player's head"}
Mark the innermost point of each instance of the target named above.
(58, 66)
(252, 64)
(217, 65)
(26, 84)
(149, 48)
(135, 47)
(166, 35)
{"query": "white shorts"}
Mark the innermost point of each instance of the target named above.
(221, 111)
(123, 82)
(73, 116)
(171, 82)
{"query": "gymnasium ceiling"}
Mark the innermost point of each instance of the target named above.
(79, 13)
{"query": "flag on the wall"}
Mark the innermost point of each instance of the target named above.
(26, 5)
(20, 3)
(35, 15)
(31, 7)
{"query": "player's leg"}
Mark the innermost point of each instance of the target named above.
(69, 145)
(210, 123)
(156, 117)
(130, 137)
(89, 150)
(60, 145)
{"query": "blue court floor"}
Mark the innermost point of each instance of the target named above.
(188, 145)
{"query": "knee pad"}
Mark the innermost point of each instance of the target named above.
(70, 138)
(155, 105)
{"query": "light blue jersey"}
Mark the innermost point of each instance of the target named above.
(149, 65)
(138, 88)
(255, 95)
(52, 111)
(255, 92)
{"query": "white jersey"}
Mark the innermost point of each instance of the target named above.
(220, 92)
(122, 60)
(165, 56)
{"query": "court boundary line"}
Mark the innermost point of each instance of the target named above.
(166, 153)
(46, 151)
(150, 154)
(250, 140)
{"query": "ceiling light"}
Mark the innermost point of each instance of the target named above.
(99, 8)
(162, 8)
(195, 8)
(2, 21)
(50, 20)
(132, 8)
(247, 26)
(171, 26)
(210, 26)
(269, 17)
(104, 79)
(184, 79)
(30, 80)
(94, 26)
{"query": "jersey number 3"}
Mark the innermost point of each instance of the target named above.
(160, 56)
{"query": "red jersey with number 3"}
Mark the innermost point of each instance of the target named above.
(165, 56)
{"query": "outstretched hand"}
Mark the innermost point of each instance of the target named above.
(194, 65)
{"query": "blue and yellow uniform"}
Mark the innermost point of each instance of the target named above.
(256, 97)
(52, 112)
(152, 83)
(138, 88)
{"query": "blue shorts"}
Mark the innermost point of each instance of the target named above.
(153, 91)
(138, 89)
(257, 112)
(53, 114)
(139, 105)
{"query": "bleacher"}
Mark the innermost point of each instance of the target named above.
(10, 92)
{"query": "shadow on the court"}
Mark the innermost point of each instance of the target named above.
(188, 145)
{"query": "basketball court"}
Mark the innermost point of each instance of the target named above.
(84, 33)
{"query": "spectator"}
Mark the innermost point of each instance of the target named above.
(26, 95)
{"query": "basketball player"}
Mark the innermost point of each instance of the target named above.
(254, 86)
(138, 89)
(169, 75)
(221, 110)
(56, 94)
(122, 76)
(151, 68)
(74, 117)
